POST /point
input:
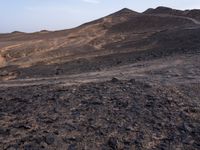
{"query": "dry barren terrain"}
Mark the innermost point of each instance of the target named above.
(125, 81)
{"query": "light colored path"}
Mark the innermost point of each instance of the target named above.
(176, 16)
(171, 70)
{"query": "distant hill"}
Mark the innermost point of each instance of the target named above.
(102, 40)
(195, 13)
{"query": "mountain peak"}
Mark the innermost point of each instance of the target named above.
(126, 11)
(159, 10)
(17, 32)
(163, 8)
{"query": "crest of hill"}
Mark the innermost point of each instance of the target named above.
(17, 32)
(194, 13)
(124, 13)
(162, 10)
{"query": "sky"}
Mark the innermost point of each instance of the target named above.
(36, 15)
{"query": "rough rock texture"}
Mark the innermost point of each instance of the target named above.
(120, 33)
(128, 81)
(109, 115)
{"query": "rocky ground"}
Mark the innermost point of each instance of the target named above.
(155, 106)
(109, 115)
(128, 81)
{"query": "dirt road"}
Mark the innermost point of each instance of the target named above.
(171, 70)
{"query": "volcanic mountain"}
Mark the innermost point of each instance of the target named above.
(128, 80)
(122, 33)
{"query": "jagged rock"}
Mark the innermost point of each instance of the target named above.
(113, 143)
(4, 131)
(114, 80)
(72, 147)
(49, 139)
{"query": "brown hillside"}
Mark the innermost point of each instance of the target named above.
(124, 31)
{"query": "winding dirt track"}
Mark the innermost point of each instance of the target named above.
(171, 70)
(181, 17)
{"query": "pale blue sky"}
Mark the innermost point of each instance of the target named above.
(35, 15)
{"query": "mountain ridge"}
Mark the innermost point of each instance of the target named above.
(127, 81)
(124, 11)
(193, 13)
(124, 31)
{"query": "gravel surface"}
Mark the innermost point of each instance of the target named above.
(109, 115)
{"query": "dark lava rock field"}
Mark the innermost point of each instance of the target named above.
(111, 115)
(127, 81)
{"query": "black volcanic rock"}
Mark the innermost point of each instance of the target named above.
(112, 143)
(150, 113)
(49, 139)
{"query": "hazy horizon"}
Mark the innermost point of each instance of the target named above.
(35, 15)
